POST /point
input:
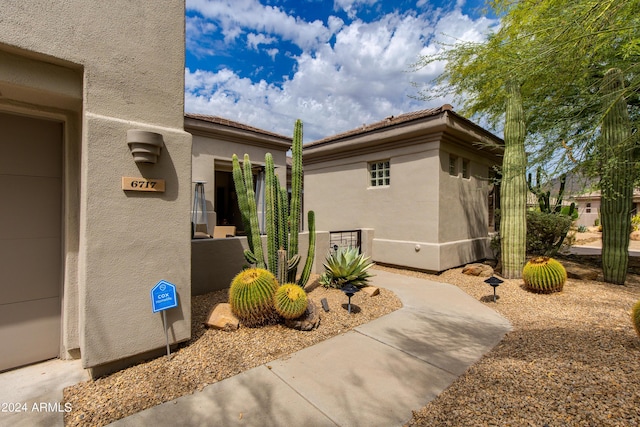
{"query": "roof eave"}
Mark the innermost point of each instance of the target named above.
(209, 129)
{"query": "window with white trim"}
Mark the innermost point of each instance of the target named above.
(379, 173)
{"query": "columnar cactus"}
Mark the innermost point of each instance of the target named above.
(296, 192)
(616, 179)
(243, 181)
(544, 201)
(282, 221)
(513, 191)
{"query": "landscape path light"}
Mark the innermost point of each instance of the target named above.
(350, 289)
(494, 282)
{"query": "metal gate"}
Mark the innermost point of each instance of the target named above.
(347, 238)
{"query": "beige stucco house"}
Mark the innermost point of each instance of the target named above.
(419, 183)
(81, 247)
(588, 205)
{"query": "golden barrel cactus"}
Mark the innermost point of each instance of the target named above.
(544, 275)
(290, 301)
(251, 297)
(635, 316)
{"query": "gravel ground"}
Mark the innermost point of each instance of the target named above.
(572, 359)
(213, 355)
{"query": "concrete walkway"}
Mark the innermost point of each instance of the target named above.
(31, 396)
(374, 375)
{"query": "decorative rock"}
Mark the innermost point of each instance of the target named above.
(581, 273)
(372, 291)
(635, 235)
(221, 317)
(308, 321)
(480, 270)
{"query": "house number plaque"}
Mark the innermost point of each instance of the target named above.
(142, 184)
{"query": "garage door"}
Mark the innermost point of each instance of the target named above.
(30, 239)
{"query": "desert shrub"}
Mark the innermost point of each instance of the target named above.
(546, 232)
(635, 222)
(565, 210)
(582, 229)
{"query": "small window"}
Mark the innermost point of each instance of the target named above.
(465, 168)
(453, 165)
(588, 207)
(379, 173)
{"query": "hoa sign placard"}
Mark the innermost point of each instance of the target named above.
(163, 296)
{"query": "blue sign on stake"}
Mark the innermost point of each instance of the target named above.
(163, 296)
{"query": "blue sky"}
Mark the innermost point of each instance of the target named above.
(334, 64)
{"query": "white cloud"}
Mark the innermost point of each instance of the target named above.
(255, 40)
(351, 6)
(363, 76)
(232, 15)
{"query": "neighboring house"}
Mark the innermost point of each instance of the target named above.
(588, 206)
(420, 180)
(80, 247)
(215, 141)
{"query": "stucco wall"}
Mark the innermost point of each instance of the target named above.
(464, 211)
(216, 261)
(339, 192)
(128, 58)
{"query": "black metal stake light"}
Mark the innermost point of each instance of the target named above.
(350, 289)
(494, 282)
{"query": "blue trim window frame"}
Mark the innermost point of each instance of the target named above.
(380, 173)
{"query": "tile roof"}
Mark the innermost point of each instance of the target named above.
(230, 123)
(387, 122)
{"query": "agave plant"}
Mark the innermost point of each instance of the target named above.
(344, 266)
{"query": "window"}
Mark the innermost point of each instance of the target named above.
(453, 165)
(588, 207)
(465, 168)
(379, 173)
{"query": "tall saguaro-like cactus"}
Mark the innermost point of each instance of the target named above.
(616, 179)
(282, 221)
(513, 191)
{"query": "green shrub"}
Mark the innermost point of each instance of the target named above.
(566, 210)
(582, 229)
(251, 297)
(635, 222)
(346, 265)
(290, 301)
(544, 275)
(546, 232)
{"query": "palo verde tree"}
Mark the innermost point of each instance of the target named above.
(560, 51)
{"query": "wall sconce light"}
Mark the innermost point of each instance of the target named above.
(145, 146)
